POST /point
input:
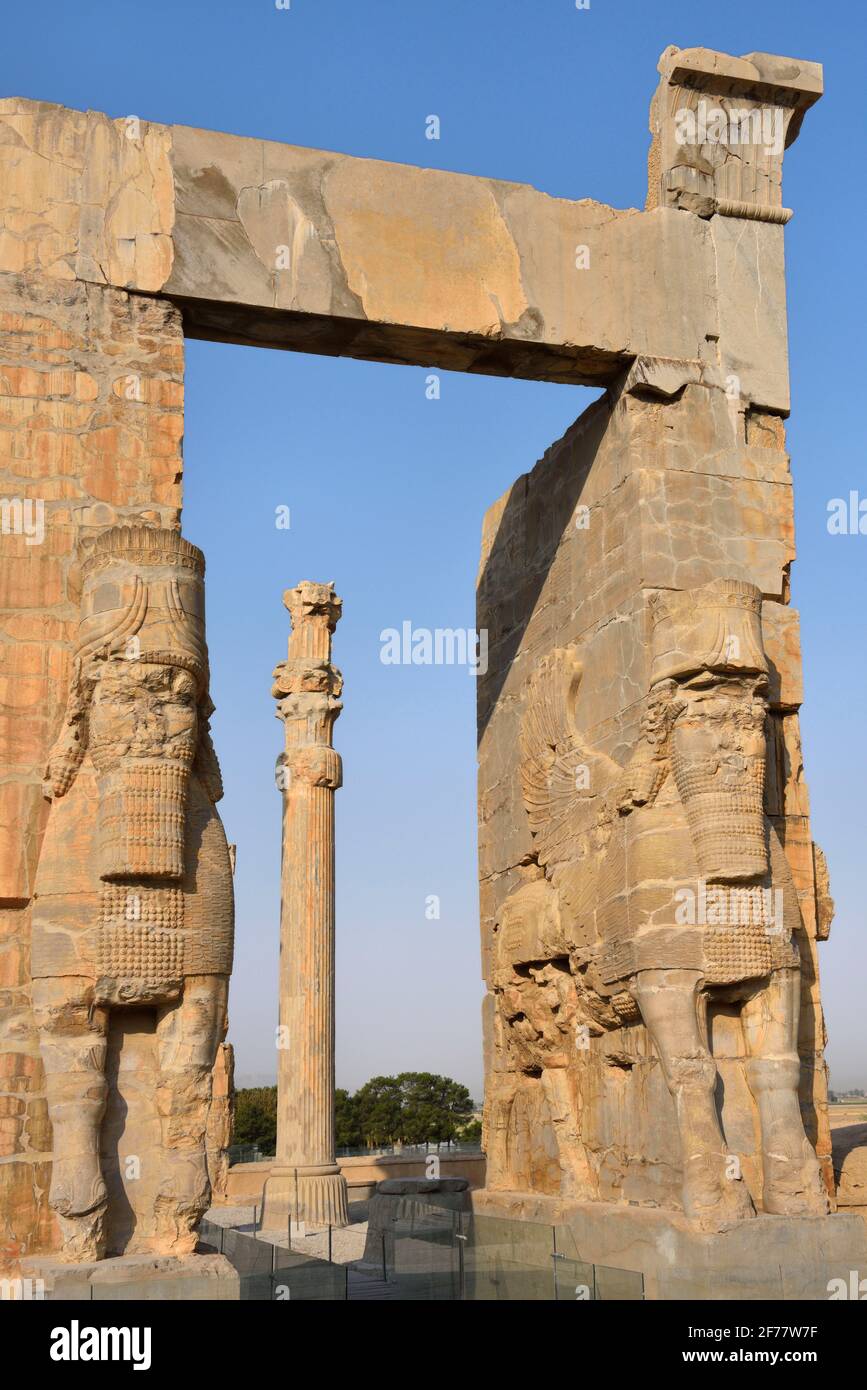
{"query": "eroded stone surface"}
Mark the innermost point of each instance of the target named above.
(850, 1164)
(306, 1181)
(115, 236)
(221, 1115)
(649, 506)
(133, 911)
(268, 243)
(91, 422)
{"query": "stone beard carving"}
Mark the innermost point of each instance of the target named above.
(133, 904)
(718, 762)
(664, 891)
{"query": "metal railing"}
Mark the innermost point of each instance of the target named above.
(273, 1272)
(426, 1253)
(252, 1153)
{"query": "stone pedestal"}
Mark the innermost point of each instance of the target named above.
(134, 1278)
(306, 1181)
(768, 1257)
(313, 1194)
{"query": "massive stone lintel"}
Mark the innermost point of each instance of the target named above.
(273, 244)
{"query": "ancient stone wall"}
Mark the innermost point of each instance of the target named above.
(91, 421)
(646, 492)
(672, 494)
(119, 236)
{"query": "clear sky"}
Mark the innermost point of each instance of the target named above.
(387, 488)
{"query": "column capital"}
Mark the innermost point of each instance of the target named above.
(318, 681)
(720, 127)
(315, 611)
(307, 686)
(307, 1181)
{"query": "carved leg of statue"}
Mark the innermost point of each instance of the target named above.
(72, 1040)
(497, 1120)
(187, 1036)
(673, 1011)
(560, 1095)
(792, 1180)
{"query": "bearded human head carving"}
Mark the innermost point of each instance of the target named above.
(709, 660)
(141, 701)
(133, 895)
(672, 895)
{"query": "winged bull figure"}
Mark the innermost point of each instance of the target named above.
(654, 890)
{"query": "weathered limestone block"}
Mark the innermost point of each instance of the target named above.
(578, 1072)
(90, 427)
(221, 1115)
(263, 242)
(140, 1278)
(768, 1258)
(720, 126)
(84, 197)
(42, 160)
(91, 422)
(91, 399)
(850, 1165)
(403, 264)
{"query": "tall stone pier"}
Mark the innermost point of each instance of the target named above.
(306, 1181)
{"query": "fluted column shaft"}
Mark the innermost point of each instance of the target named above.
(305, 1084)
(307, 687)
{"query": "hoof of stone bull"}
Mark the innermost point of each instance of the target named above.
(778, 1203)
(714, 1206)
(74, 1194)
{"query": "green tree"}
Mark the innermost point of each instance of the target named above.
(347, 1125)
(433, 1108)
(413, 1108)
(379, 1110)
(256, 1117)
(416, 1107)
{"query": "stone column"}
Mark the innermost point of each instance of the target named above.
(306, 1180)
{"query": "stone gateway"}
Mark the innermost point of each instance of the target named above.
(652, 899)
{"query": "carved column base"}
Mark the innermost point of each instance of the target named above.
(316, 1195)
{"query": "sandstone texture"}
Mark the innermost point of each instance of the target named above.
(850, 1165)
(221, 1116)
(651, 895)
(638, 721)
(306, 1180)
(769, 1258)
(133, 910)
(139, 1278)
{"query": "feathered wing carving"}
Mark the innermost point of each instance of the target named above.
(564, 784)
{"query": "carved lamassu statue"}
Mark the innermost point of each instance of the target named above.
(134, 906)
(662, 888)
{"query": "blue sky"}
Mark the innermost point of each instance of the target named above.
(387, 488)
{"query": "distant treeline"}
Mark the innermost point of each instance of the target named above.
(416, 1107)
